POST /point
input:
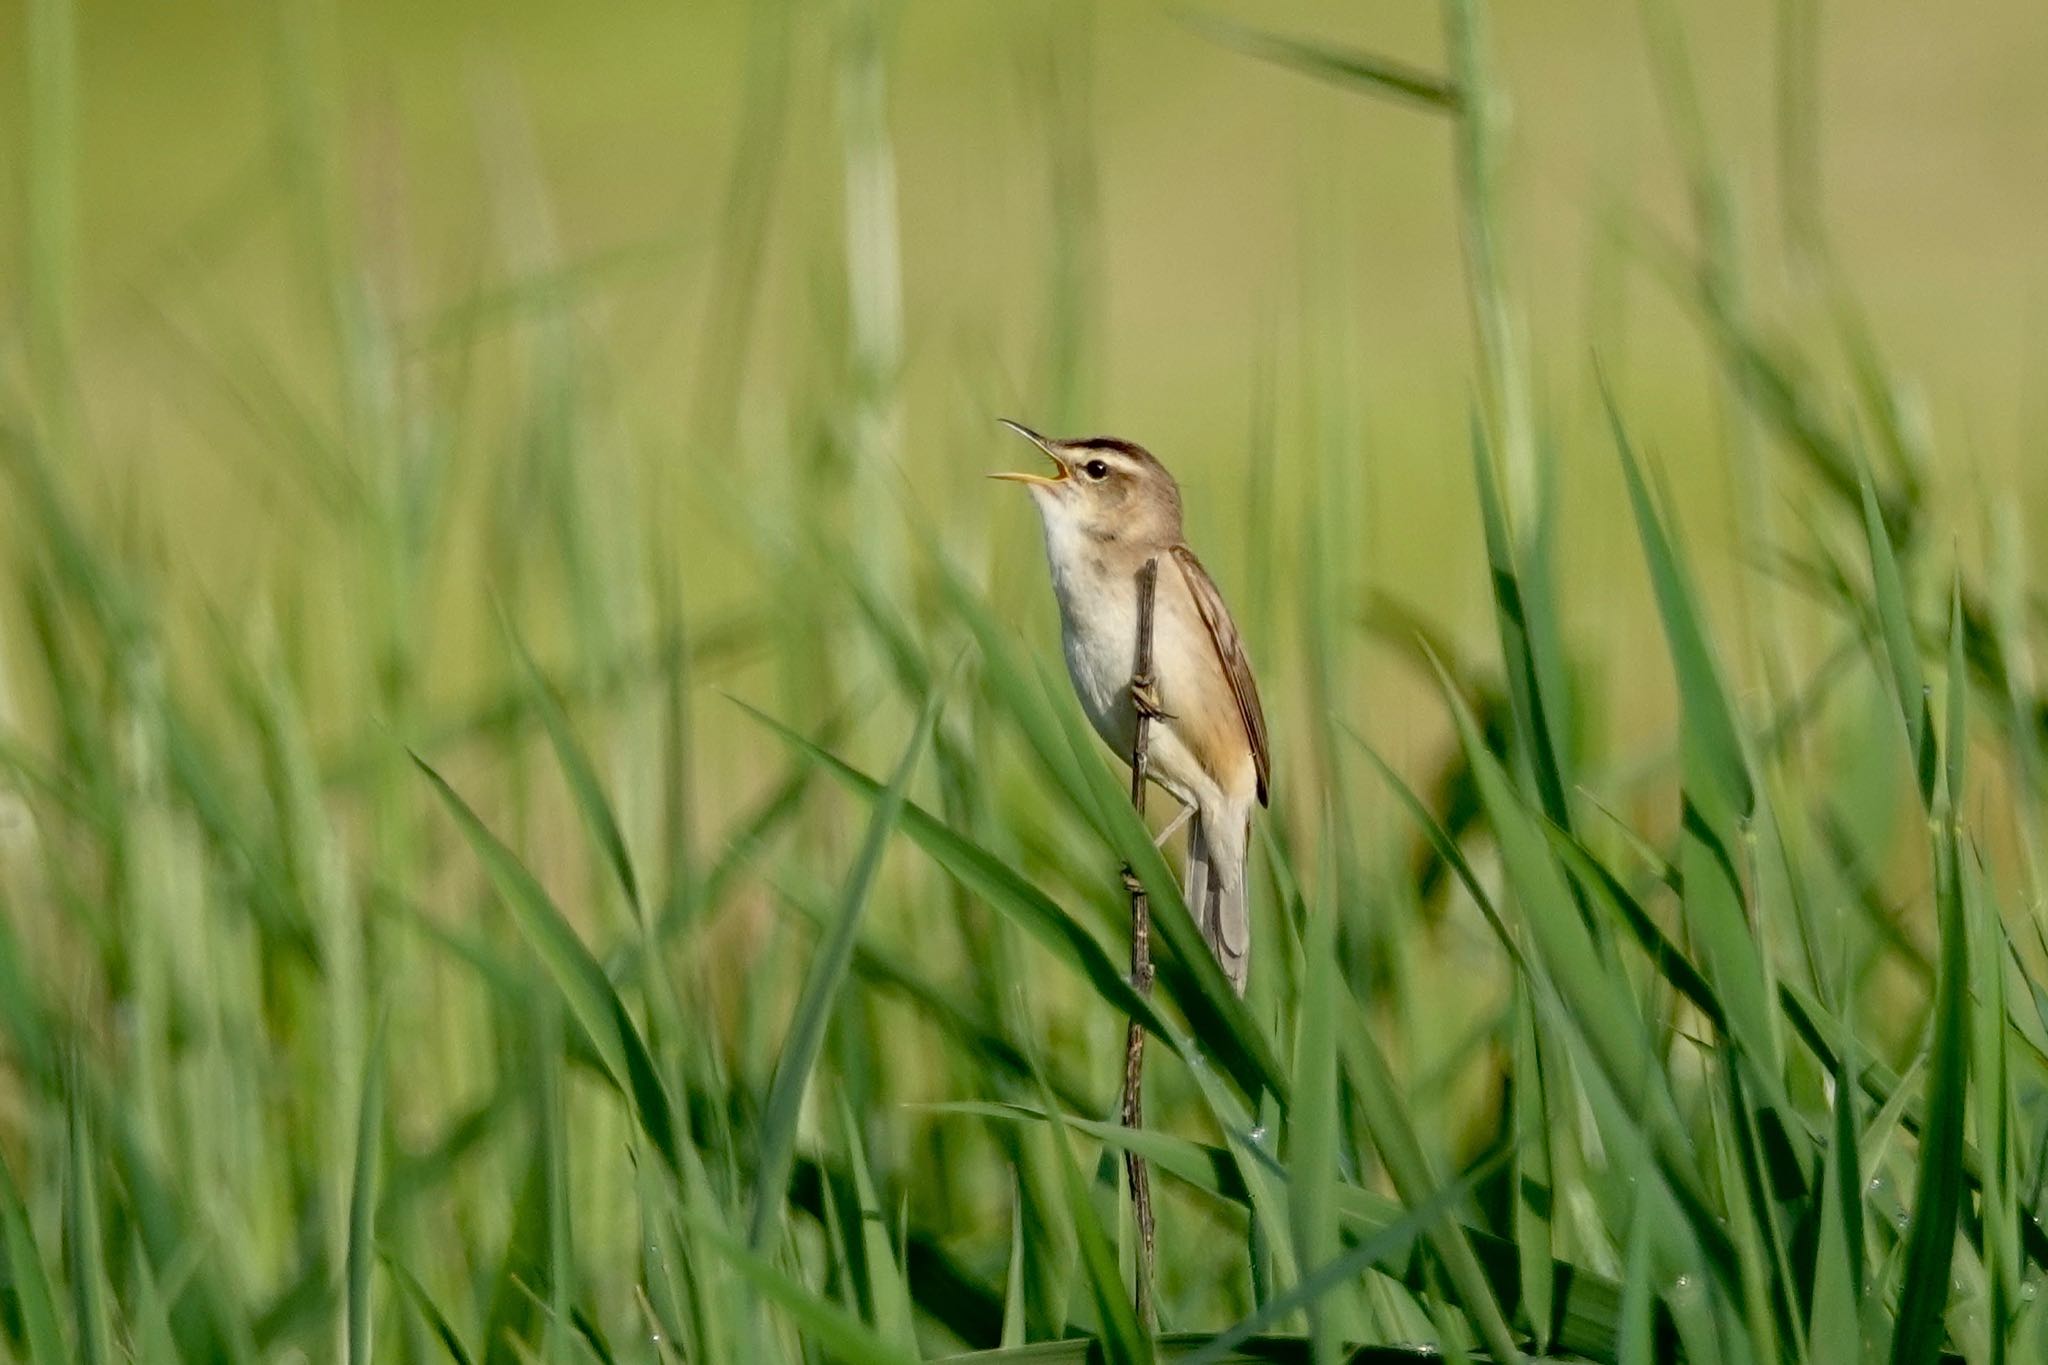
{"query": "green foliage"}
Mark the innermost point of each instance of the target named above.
(624, 1023)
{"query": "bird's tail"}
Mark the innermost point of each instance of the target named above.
(1215, 889)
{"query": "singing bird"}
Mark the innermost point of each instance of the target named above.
(1107, 507)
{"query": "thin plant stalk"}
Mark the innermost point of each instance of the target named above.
(1141, 959)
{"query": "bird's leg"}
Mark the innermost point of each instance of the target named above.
(1145, 698)
(1186, 813)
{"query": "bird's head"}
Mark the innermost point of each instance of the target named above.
(1103, 488)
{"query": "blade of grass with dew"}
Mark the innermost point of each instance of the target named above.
(806, 1035)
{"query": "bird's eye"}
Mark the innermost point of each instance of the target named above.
(1095, 469)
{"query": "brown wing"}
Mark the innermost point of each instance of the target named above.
(1230, 653)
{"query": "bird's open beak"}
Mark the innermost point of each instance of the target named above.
(1051, 451)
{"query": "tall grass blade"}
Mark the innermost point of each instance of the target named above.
(1938, 1188)
(584, 987)
(35, 1303)
(362, 1208)
(827, 973)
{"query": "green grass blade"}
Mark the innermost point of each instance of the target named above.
(362, 1207)
(1124, 1339)
(1312, 1133)
(887, 1296)
(989, 877)
(585, 788)
(1938, 1188)
(1341, 66)
(576, 974)
(423, 1303)
(1901, 644)
(827, 973)
(85, 1265)
(35, 1302)
(843, 1336)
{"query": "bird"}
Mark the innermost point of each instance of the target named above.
(1107, 508)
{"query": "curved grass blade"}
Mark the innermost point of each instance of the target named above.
(821, 988)
(583, 985)
(1342, 1270)
(584, 786)
(423, 1303)
(1124, 1340)
(989, 877)
(843, 1336)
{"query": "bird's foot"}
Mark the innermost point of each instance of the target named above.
(1145, 698)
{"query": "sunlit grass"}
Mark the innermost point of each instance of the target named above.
(733, 971)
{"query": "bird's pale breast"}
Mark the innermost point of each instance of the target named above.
(1201, 747)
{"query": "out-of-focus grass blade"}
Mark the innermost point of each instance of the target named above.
(993, 880)
(1834, 1317)
(362, 1205)
(1124, 1339)
(1394, 1135)
(821, 989)
(1532, 1171)
(1445, 846)
(85, 1266)
(34, 1301)
(577, 975)
(1347, 67)
(1333, 1274)
(1019, 1275)
(1938, 1189)
(843, 1336)
(584, 786)
(1608, 1019)
(423, 1303)
(1312, 1135)
(1901, 645)
(888, 1298)
(1531, 708)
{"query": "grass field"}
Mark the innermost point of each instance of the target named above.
(540, 817)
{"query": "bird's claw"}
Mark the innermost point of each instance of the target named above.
(1145, 698)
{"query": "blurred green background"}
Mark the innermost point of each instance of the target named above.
(1196, 211)
(351, 348)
